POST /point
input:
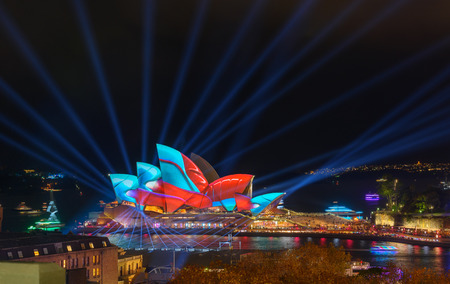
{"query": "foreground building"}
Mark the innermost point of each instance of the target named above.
(83, 258)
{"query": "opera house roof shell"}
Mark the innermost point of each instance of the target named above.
(181, 183)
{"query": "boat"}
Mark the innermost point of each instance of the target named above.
(32, 212)
(383, 248)
(22, 207)
(372, 197)
(47, 225)
(52, 223)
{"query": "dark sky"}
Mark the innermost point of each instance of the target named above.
(52, 31)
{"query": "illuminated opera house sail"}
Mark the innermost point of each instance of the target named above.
(180, 184)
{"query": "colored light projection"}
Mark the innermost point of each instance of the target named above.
(181, 183)
(344, 212)
(383, 248)
(372, 197)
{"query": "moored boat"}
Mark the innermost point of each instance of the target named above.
(22, 207)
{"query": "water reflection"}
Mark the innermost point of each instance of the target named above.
(406, 256)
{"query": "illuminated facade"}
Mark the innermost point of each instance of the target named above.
(180, 184)
(345, 212)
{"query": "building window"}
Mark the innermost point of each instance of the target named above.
(76, 262)
(98, 272)
(20, 254)
(87, 260)
(64, 263)
(82, 262)
(137, 267)
(83, 246)
(45, 250)
(87, 273)
(10, 255)
(121, 271)
(36, 252)
(98, 259)
(69, 248)
(94, 273)
(91, 245)
(104, 244)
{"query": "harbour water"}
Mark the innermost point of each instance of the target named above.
(406, 256)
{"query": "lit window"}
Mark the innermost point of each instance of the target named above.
(45, 250)
(98, 259)
(91, 245)
(93, 272)
(104, 244)
(98, 272)
(10, 255)
(69, 248)
(93, 259)
(64, 263)
(83, 246)
(36, 252)
(20, 254)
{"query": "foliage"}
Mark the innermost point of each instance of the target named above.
(425, 276)
(421, 203)
(307, 264)
(429, 201)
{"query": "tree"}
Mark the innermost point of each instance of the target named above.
(421, 203)
(388, 188)
(307, 264)
(429, 201)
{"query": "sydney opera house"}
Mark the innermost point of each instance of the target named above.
(187, 193)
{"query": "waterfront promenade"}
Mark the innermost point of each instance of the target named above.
(354, 235)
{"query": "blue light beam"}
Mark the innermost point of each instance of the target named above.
(40, 70)
(36, 117)
(363, 140)
(27, 136)
(339, 100)
(301, 78)
(54, 165)
(147, 59)
(408, 142)
(184, 67)
(101, 78)
(300, 11)
(294, 167)
(256, 8)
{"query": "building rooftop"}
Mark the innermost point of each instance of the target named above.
(24, 245)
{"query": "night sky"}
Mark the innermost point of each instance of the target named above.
(349, 55)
